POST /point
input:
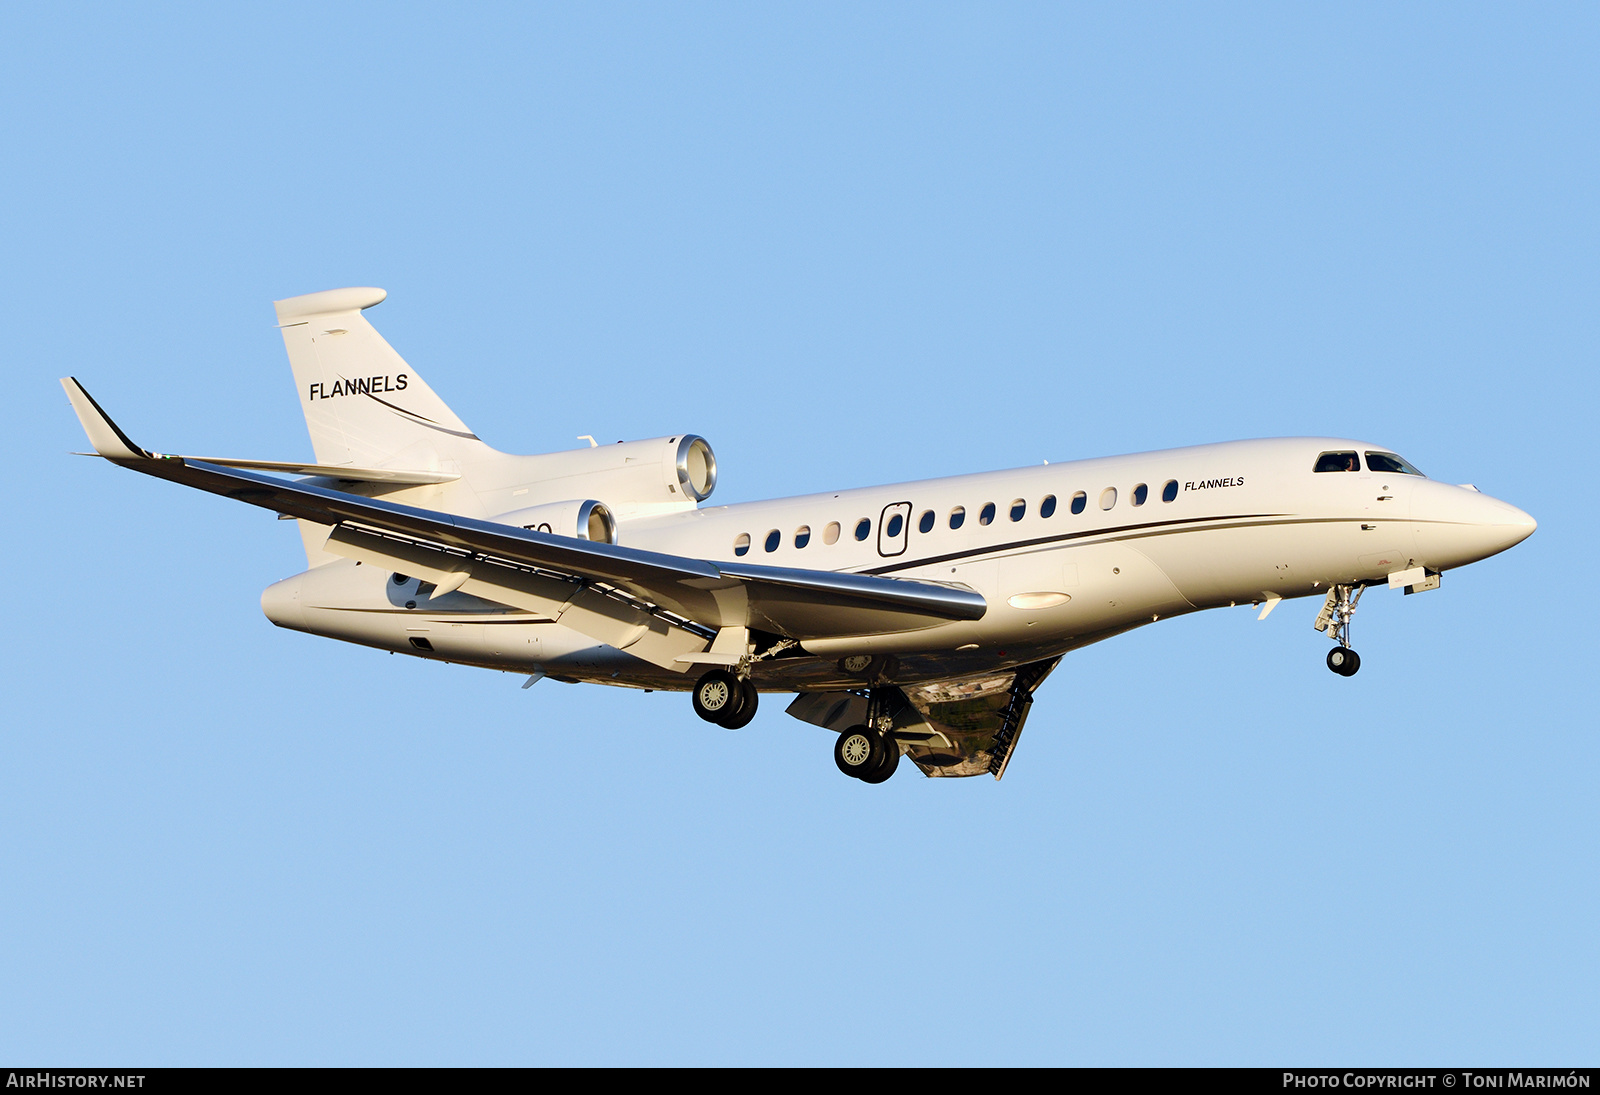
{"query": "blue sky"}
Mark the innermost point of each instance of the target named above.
(847, 244)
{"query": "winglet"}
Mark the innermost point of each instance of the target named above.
(108, 440)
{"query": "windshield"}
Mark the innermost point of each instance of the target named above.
(1338, 461)
(1389, 462)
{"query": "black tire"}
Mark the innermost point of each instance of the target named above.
(859, 751)
(1344, 661)
(717, 696)
(886, 767)
(748, 702)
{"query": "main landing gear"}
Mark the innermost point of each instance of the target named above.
(1334, 618)
(725, 699)
(870, 753)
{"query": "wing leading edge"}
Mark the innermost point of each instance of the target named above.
(650, 603)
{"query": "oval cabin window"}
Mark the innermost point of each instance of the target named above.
(1079, 501)
(1047, 508)
(741, 544)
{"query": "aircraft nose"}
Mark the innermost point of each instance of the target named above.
(1501, 524)
(1458, 525)
(1521, 524)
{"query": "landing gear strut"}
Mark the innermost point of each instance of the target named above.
(725, 699)
(870, 753)
(1334, 619)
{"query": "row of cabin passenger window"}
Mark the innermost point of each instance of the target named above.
(958, 517)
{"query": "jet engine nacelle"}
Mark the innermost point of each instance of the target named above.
(585, 519)
(662, 469)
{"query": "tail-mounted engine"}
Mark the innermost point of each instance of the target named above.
(660, 471)
(696, 467)
(634, 478)
(585, 519)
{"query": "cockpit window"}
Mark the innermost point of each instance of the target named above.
(1389, 462)
(1338, 461)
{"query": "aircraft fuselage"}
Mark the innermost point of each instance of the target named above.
(1065, 555)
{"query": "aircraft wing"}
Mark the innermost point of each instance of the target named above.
(661, 607)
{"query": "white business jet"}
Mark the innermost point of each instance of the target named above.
(913, 620)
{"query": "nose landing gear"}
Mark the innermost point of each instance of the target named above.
(1334, 619)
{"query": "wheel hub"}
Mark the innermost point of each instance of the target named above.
(856, 749)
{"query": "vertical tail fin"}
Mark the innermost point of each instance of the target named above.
(363, 404)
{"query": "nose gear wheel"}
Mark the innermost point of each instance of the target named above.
(1344, 661)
